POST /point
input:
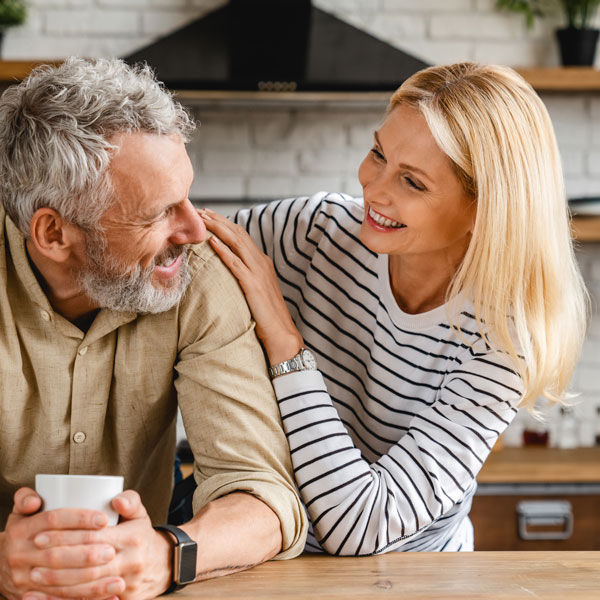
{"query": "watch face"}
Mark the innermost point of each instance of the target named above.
(187, 562)
(309, 360)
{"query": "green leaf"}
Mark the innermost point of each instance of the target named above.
(12, 12)
(578, 13)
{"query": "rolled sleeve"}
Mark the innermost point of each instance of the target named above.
(228, 404)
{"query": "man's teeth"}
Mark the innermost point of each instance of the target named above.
(383, 221)
(170, 262)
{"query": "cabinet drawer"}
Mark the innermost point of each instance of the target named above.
(496, 520)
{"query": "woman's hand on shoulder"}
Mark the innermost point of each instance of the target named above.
(255, 272)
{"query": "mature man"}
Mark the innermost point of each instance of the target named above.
(112, 312)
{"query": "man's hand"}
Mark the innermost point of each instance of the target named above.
(24, 553)
(140, 566)
(144, 556)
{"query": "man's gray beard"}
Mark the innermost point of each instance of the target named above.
(109, 284)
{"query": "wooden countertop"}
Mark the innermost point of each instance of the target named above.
(542, 465)
(532, 465)
(416, 576)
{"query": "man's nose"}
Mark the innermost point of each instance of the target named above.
(190, 228)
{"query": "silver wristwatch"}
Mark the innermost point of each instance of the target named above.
(303, 361)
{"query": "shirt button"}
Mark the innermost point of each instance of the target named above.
(45, 315)
(82, 351)
(79, 437)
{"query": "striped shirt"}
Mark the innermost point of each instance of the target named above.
(388, 436)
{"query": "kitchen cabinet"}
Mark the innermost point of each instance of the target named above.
(538, 499)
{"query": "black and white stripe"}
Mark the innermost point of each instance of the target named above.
(388, 436)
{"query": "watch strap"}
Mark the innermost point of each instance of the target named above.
(180, 537)
(172, 588)
(292, 365)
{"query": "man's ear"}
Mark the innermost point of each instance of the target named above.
(52, 236)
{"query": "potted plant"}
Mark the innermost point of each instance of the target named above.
(578, 40)
(12, 12)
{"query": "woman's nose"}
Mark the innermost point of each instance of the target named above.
(378, 190)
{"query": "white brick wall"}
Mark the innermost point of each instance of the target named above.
(436, 30)
(59, 28)
(302, 142)
(260, 153)
(281, 152)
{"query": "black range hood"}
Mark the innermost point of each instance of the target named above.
(279, 45)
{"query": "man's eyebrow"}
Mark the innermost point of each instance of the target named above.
(404, 165)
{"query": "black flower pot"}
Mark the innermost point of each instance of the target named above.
(577, 46)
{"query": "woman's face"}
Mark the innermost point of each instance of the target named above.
(414, 201)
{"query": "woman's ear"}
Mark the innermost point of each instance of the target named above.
(52, 236)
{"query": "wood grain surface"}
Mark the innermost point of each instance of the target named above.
(541, 78)
(542, 465)
(533, 465)
(415, 576)
(13, 70)
(562, 79)
(586, 229)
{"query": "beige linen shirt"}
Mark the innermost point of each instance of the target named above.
(105, 401)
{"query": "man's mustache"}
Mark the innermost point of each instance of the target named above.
(169, 254)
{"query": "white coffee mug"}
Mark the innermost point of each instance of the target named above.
(93, 492)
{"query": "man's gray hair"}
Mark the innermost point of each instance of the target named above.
(55, 130)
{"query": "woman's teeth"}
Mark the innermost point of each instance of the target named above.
(384, 221)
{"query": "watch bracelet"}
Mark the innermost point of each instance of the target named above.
(292, 365)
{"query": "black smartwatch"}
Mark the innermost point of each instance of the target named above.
(184, 557)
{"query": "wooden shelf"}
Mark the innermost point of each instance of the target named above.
(586, 229)
(15, 70)
(542, 465)
(562, 79)
(559, 79)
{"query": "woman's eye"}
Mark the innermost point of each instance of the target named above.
(377, 154)
(412, 184)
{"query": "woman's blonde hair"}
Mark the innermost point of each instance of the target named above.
(520, 268)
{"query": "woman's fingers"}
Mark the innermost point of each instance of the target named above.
(233, 235)
(256, 275)
(236, 249)
(232, 261)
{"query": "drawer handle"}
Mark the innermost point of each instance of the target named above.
(545, 513)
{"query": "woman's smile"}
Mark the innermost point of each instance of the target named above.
(382, 223)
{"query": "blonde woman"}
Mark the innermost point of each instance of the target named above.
(434, 307)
